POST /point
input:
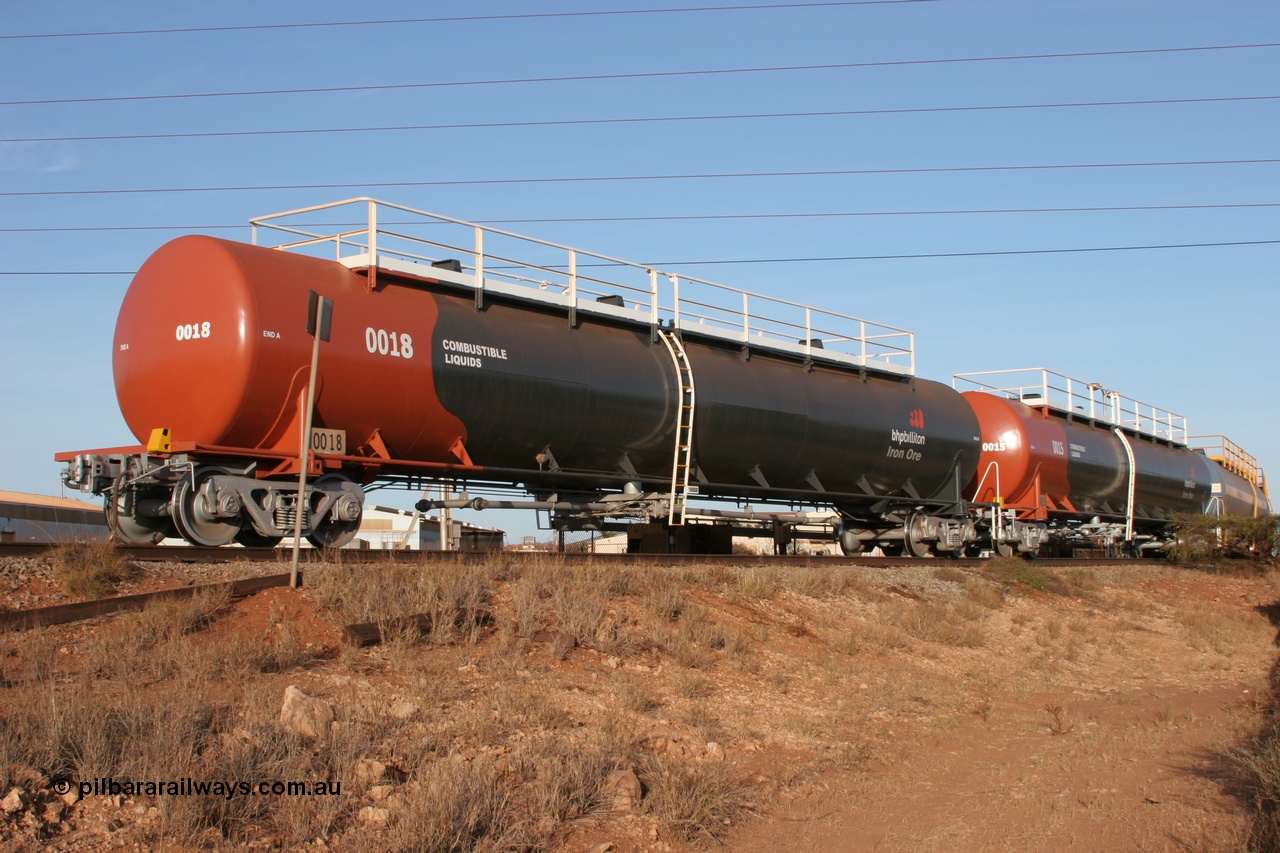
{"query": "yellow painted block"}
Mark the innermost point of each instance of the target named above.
(160, 441)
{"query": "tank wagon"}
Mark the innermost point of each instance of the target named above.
(1238, 485)
(464, 357)
(1072, 463)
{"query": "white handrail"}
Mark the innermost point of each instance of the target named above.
(1040, 387)
(494, 258)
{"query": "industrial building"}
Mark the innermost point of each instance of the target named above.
(41, 518)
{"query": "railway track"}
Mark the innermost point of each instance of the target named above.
(187, 554)
(76, 611)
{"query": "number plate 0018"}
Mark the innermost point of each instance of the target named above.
(329, 441)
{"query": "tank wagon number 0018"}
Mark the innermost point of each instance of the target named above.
(382, 342)
(193, 331)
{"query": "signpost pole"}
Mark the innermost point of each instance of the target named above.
(319, 314)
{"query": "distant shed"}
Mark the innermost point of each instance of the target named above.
(40, 518)
(386, 528)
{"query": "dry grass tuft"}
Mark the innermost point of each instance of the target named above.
(756, 584)
(1024, 573)
(90, 569)
(868, 637)
(1258, 760)
(951, 574)
(695, 802)
(984, 594)
(934, 622)
(1224, 633)
(634, 695)
(823, 581)
(455, 596)
(664, 597)
(456, 806)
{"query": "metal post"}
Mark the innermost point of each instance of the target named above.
(306, 446)
(573, 289)
(446, 515)
(479, 266)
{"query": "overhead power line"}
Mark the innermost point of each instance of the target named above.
(620, 178)
(461, 18)
(62, 229)
(965, 254)
(805, 260)
(952, 212)
(635, 75)
(636, 120)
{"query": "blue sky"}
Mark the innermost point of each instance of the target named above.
(1188, 329)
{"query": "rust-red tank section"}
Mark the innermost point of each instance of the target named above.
(1023, 463)
(1041, 463)
(211, 343)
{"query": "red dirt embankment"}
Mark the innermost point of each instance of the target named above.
(592, 708)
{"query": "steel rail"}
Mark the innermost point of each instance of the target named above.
(60, 614)
(187, 554)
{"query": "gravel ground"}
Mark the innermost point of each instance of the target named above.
(27, 582)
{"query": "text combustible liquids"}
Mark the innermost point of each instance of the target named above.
(466, 354)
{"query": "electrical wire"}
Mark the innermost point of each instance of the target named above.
(806, 260)
(617, 178)
(684, 218)
(633, 75)
(461, 18)
(928, 255)
(490, 125)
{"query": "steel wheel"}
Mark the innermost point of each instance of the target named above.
(333, 532)
(849, 543)
(195, 517)
(914, 530)
(126, 529)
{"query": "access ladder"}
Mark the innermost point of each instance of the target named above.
(683, 455)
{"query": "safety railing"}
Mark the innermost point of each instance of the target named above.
(1037, 386)
(1230, 455)
(363, 232)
